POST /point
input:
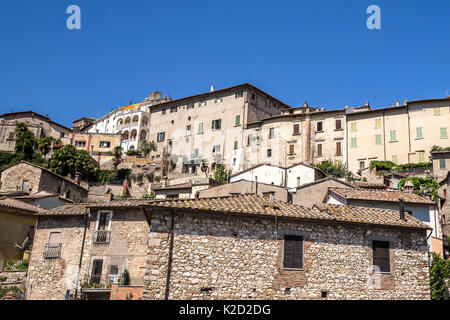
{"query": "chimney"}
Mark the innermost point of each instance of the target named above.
(77, 178)
(408, 187)
(271, 199)
(108, 195)
(397, 103)
(305, 104)
(367, 104)
(402, 209)
(125, 188)
(213, 88)
(256, 185)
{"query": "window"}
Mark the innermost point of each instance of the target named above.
(395, 159)
(216, 124)
(196, 153)
(190, 105)
(442, 164)
(443, 133)
(253, 96)
(377, 123)
(114, 273)
(319, 126)
(381, 261)
(163, 111)
(421, 156)
(393, 136)
(202, 103)
(298, 182)
(173, 109)
(218, 99)
(353, 127)
(293, 252)
(200, 128)
(61, 134)
(53, 247)
(239, 94)
(271, 133)
(362, 165)
(216, 148)
(105, 144)
(234, 162)
(11, 136)
(437, 111)
(419, 133)
(378, 139)
(161, 136)
(236, 145)
(269, 153)
(96, 274)
(188, 130)
(237, 121)
(319, 149)
(102, 230)
(25, 186)
(296, 128)
(249, 140)
(80, 144)
(339, 148)
(338, 124)
(354, 143)
(291, 149)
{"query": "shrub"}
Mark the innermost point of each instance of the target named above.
(439, 274)
(126, 278)
(151, 195)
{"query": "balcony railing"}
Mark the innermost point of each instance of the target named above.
(52, 250)
(101, 236)
(95, 279)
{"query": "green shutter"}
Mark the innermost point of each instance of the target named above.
(393, 135)
(419, 132)
(442, 164)
(378, 139)
(220, 124)
(443, 133)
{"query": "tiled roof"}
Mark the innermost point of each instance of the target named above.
(19, 205)
(380, 195)
(369, 185)
(256, 205)
(366, 215)
(66, 210)
(120, 203)
(186, 185)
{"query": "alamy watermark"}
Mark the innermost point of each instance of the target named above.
(374, 20)
(73, 22)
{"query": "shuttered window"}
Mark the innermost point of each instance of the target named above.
(293, 252)
(381, 256)
(296, 128)
(291, 149)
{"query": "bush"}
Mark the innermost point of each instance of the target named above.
(422, 186)
(126, 278)
(337, 169)
(15, 265)
(151, 195)
(439, 274)
(150, 177)
(105, 176)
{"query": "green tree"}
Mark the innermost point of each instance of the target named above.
(439, 275)
(332, 169)
(25, 141)
(148, 147)
(422, 186)
(45, 144)
(221, 174)
(117, 157)
(70, 160)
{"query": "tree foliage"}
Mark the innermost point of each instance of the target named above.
(148, 147)
(69, 160)
(422, 186)
(221, 174)
(25, 141)
(439, 277)
(335, 169)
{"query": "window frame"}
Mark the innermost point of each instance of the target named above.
(388, 256)
(302, 252)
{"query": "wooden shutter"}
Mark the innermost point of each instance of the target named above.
(293, 252)
(291, 149)
(338, 149)
(296, 128)
(381, 255)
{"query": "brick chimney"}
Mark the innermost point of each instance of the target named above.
(108, 195)
(125, 187)
(77, 178)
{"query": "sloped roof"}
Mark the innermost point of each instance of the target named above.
(380, 195)
(21, 206)
(66, 210)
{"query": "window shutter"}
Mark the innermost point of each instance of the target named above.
(293, 252)
(381, 255)
(220, 124)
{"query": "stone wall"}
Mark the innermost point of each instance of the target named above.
(217, 257)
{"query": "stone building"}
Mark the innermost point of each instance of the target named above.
(288, 177)
(93, 244)
(420, 207)
(40, 125)
(249, 247)
(28, 178)
(99, 145)
(132, 122)
(17, 225)
(441, 164)
(236, 247)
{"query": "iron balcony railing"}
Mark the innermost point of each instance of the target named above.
(96, 278)
(101, 236)
(52, 250)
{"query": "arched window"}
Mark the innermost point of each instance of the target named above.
(125, 135)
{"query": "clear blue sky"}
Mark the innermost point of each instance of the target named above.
(319, 51)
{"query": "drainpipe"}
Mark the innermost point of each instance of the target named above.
(384, 137)
(169, 263)
(86, 222)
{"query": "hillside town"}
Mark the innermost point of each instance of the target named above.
(226, 194)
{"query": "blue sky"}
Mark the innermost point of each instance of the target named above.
(318, 51)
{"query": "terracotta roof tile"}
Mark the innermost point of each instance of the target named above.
(66, 210)
(19, 205)
(380, 195)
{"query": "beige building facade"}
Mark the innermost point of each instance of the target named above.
(99, 145)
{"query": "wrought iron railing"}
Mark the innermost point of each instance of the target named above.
(52, 250)
(101, 236)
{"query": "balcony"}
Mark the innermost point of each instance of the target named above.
(101, 236)
(52, 250)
